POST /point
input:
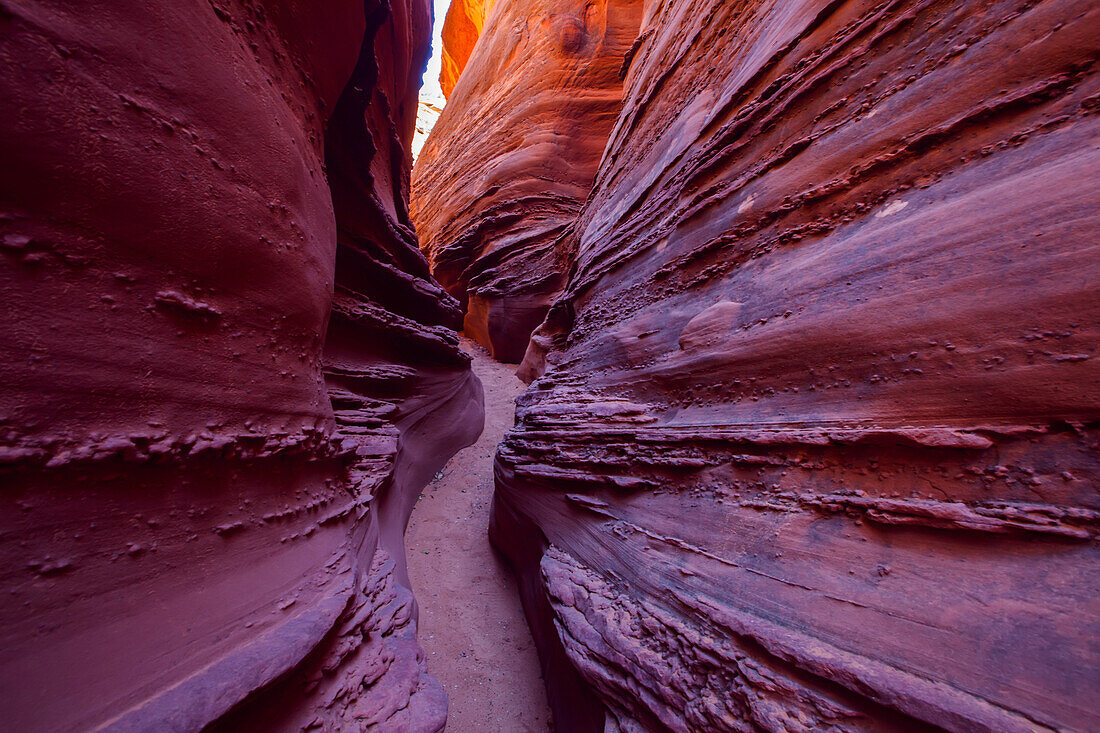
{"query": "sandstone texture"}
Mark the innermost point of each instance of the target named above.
(203, 496)
(502, 178)
(812, 441)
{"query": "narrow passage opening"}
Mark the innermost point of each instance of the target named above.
(471, 625)
(471, 622)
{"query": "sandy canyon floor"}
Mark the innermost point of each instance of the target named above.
(471, 621)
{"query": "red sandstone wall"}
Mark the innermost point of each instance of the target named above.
(183, 520)
(812, 441)
(461, 29)
(512, 158)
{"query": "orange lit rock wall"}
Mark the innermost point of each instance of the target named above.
(461, 29)
(512, 158)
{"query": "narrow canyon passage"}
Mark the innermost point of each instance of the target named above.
(471, 623)
(804, 294)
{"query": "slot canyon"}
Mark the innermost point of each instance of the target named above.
(662, 365)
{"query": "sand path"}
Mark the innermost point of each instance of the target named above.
(471, 621)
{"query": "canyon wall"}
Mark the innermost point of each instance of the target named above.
(504, 174)
(812, 442)
(203, 497)
(461, 29)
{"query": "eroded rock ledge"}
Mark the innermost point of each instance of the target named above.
(203, 498)
(812, 438)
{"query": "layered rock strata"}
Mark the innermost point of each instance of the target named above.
(512, 158)
(203, 497)
(812, 442)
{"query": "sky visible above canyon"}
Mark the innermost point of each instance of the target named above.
(431, 99)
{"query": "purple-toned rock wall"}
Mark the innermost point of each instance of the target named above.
(202, 499)
(812, 438)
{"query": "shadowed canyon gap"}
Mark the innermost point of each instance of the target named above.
(811, 437)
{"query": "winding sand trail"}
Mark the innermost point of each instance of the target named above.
(471, 621)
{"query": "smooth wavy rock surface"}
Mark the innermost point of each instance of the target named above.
(812, 442)
(203, 498)
(503, 175)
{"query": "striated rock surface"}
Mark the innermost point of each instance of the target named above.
(504, 173)
(203, 498)
(813, 438)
